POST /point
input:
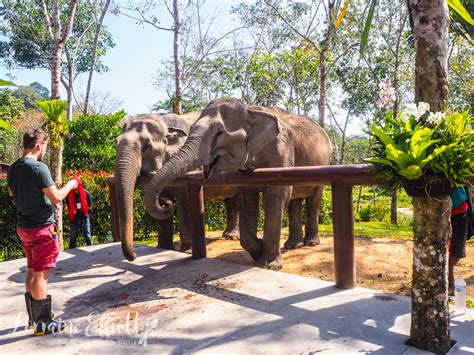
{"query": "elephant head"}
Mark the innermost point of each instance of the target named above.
(145, 143)
(227, 136)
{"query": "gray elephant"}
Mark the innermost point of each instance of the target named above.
(231, 136)
(146, 142)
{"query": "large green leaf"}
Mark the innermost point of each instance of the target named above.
(368, 24)
(4, 125)
(398, 156)
(54, 109)
(6, 83)
(457, 6)
(435, 153)
(420, 141)
(380, 161)
(384, 138)
(412, 172)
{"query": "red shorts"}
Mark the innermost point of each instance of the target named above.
(41, 246)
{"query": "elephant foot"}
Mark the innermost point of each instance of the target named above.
(274, 265)
(233, 235)
(292, 244)
(184, 247)
(311, 242)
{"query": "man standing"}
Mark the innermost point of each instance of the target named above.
(79, 202)
(34, 194)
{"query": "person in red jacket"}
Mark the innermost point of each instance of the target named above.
(461, 218)
(79, 202)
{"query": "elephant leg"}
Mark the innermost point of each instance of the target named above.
(232, 213)
(275, 201)
(248, 222)
(165, 233)
(313, 203)
(295, 239)
(183, 217)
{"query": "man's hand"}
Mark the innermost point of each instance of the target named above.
(73, 184)
(55, 195)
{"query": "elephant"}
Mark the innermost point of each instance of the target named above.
(231, 136)
(146, 142)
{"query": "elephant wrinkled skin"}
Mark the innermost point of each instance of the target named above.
(231, 136)
(145, 144)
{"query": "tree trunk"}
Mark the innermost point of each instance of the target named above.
(430, 28)
(178, 95)
(393, 207)
(430, 315)
(58, 35)
(55, 165)
(94, 54)
(56, 70)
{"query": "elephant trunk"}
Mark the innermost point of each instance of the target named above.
(187, 159)
(127, 168)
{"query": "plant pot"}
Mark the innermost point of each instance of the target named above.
(422, 188)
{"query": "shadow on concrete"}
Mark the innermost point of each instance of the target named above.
(147, 278)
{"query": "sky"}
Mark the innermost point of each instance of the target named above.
(132, 62)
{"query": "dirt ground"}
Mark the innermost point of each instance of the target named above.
(381, 264)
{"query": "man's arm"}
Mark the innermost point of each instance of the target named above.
(10, 193)
(56, 195)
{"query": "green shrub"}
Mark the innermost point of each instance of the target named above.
(90, 143)
(371, 212)
(10, 244)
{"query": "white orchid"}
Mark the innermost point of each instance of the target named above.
(416, 110)
(435, 118)
(423, 107)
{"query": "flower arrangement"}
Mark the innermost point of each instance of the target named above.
(421, 149)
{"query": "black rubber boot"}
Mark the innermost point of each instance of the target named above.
(28, 310)
(28, 299)
(44, 323)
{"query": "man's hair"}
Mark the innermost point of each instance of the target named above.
(34, 136)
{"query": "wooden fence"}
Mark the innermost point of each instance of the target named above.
(341, 178)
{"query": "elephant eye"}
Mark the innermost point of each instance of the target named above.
(146, 146)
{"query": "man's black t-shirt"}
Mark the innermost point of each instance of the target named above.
(27, 177)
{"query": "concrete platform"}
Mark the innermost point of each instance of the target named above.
(167, 303)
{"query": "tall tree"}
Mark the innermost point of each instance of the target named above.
(102, 6)
(59, 33)
(432, 228)
(322, 44)
(193, 41)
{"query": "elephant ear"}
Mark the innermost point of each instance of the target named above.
(176, 137)
(263, 128)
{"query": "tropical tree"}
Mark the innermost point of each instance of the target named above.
(55, 126)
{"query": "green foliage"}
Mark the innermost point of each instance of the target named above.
(90, 142)
(368, 24)
(10, 244)
(6, 83)
(28, 95)
(27, 43)
(408, 147)
(54, 110)
(10, 106)
(371, 212)
(456, 131)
